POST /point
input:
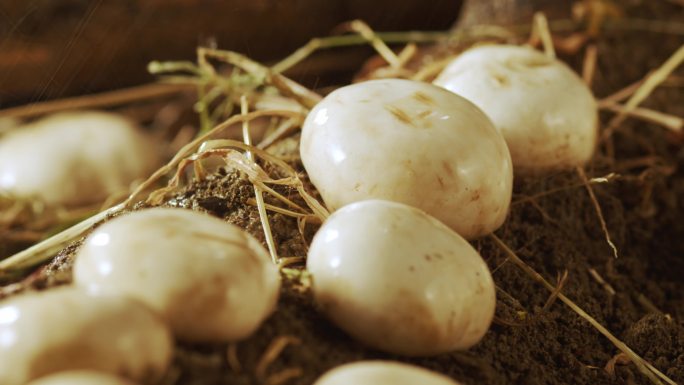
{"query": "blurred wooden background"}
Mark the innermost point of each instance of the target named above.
(56, 48)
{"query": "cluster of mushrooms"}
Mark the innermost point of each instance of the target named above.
(412, 171)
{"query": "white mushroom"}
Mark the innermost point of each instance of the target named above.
(409, 142)
(74, 158)
(399, 280)
(547, 114)
(67, 328)
(7, 124)
(382, 373)
(81, 377)
(209, 279)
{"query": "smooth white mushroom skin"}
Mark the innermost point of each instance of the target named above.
(210, 280)
(382, 373)
(400, 281)
(74, 158)
(69, 329)
(81, 377)
(546, 113)
(409, 142)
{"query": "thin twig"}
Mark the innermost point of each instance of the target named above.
(597, 207)
(407, 53)
(620, 358)
(284, 376)
(671, 122)
(562, 279)
(105, 99)
(622, 94)
(272, 352)
(601, 179)
(352, 40)
(378, 44)
(283, 129)
(232, 357)
(541, 30)
(589, 64)
(287, 261)
(431, 70)
(601, 281)
(256, 174)
(648, 304)
(286, 86)
(42, 251)
(284, 211)
(192, 146)
(644, 91)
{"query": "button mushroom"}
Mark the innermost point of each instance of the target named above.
(409, 142)
(546, 113)
(210, 280)
(399, 280)
(81, 377)
(382, 373)
(74, 158)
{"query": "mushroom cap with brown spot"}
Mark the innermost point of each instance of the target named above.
(399, 280)
(210, 280)
(546, 113)
(409, 142)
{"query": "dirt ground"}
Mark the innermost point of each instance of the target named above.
(553, 226)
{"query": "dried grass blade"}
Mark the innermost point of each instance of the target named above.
(589, 65)
(189, 148)
(597, 207)
(541, 29)
(383, 50)
(272, 352)
(263, 215)
(317, 208)
(671, 122)
(105, 99)
(286, 86)
(650, 83)
(44, 250)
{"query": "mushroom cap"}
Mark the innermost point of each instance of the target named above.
(81, 377)
(210, 280)
(382, 373)
(409, 142)
(399, 280)
(67, 328)
(546, 113)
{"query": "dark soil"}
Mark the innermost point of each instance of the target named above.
(553, 226)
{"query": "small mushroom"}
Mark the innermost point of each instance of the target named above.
(400, 281)
(382, 373)
(67, 329)
(546, 113)
(210, 280)
(409, 142)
